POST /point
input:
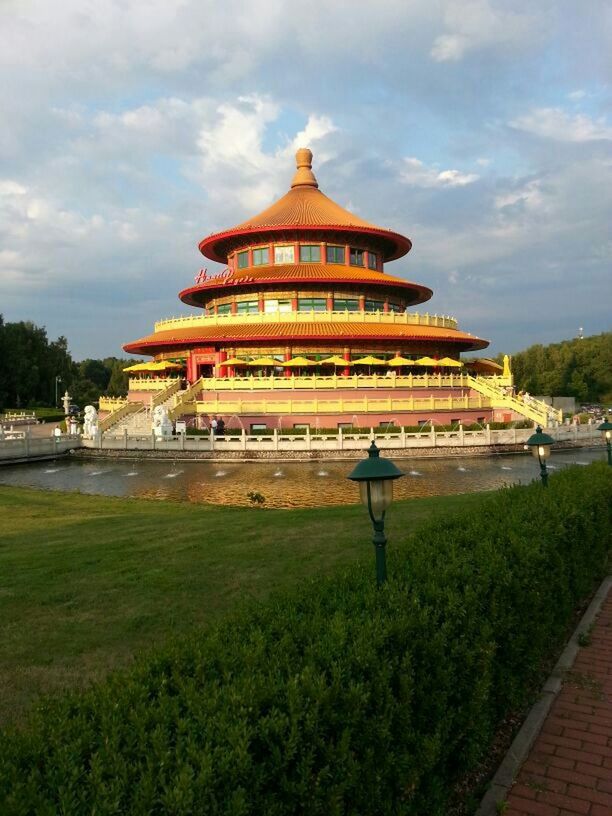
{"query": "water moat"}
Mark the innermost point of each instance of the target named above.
(283, 484)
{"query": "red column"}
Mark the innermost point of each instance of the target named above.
(294, 303)
(347, 255)
(287, 356)
(362, 303)
(260, 303)
(215, 309)
(191, 368)
(347, 356)
(323, 253)
(234, 307)
(386, 306)
(330, 302)
(220, 356)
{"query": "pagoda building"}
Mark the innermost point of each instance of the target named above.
(305, 326)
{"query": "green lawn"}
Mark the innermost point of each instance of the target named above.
(86, 581)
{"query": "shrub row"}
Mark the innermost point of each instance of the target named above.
(341, 699)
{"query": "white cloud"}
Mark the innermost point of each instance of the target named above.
(417, 174)
(557, 124)
(476, 24)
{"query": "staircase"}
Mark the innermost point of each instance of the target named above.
(533, 409)
(184, 401)
(136, 418)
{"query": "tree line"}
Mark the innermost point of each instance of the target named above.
(33, 369)
(580, 368)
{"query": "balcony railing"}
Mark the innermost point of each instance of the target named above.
(393, 318)
(317, 382)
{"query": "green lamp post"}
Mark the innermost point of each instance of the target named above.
(606, 432)
(375, 476)
(540, 444)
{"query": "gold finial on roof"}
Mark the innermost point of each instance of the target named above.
(304, 177)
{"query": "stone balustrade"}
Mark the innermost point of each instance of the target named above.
(396, 318)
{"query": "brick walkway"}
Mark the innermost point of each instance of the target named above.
(569, 768)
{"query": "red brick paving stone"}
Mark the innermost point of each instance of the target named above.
(569, 768)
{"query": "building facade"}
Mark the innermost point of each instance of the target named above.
(305, 326)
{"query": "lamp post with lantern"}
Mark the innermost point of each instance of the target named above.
(540, 444)
(606, 433)
(376, 476)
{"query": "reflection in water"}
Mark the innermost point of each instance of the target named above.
(297, 484)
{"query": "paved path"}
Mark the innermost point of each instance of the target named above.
(569, 769)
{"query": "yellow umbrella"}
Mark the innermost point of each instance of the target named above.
(369, 361)
(264, 361)
(400, 361)
(165, 365)
(233, 361)
(336, 360)
(138, 367)
(448, 362)
(426, 361)
(298, 361)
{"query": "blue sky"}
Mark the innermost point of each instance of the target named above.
(482, 129)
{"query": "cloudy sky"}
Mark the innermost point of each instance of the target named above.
(482, 129)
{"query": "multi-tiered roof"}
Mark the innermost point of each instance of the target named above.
(307, 255)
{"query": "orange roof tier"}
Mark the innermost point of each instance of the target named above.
(315, 332)
(243, 280)
(304, 209)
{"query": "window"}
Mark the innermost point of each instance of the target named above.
(372, 260)
(303, 426)
(257, 428)
(310, 252)
(393, 307)
(356, 257)
(248, 307)
(243, 259)
(374, 305)
(277, 306)
(335, 254)
(284, 254)
(312, 304)
(348, 304)
(261, 256)
(422, 422)
(224, 308)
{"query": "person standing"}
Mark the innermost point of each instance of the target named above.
(220, 427)
(213, 425)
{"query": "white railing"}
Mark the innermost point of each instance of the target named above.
(36, 447)
(388, 439)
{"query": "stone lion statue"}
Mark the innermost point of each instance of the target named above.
(90, 422)
(161, 425)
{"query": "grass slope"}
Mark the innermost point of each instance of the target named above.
(86, 581)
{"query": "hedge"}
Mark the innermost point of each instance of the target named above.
(341, 699)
